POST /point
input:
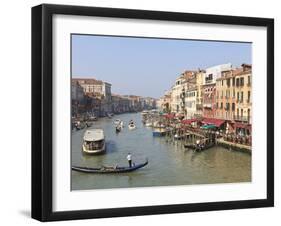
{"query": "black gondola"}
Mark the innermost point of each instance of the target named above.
(109, 169)
(198, 148)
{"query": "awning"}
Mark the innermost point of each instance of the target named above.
(242, 125)
(211, 126)
(213, 121)
(170, 116)
(188, 121)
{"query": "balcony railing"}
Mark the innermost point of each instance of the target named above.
(242, 118)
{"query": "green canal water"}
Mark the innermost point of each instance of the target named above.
(169, 162)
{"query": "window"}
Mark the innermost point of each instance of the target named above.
(221, 105)
(233, 94)
(233, 81)
(249, 96)
(233, 107)
(238, 96)
(227, 106)
(221, 82)
(241, 81)
(249, 80)
(228, 82)
(237, 82)
(241, 97)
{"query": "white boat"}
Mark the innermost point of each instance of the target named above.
(131, 126)
(144, 112)
(117, 121)
(148, 124)
(93, 141)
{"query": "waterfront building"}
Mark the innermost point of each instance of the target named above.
(120, 104)
(164, 102)
(234, 98)
(200, 75)
(77, 98)
(134, 102)
(209, 100)
(244, 95)
(189, 93)
(190, 102)
(92, 105)
(209, 88)
(98, 89)
(215, 72)
(177, 104)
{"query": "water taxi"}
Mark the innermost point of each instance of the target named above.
(93, 141)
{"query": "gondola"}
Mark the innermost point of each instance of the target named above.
(199, 148)
(109, 169)
(190, 146)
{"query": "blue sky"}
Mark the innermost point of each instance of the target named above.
(145, 66)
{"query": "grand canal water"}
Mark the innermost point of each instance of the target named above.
(169, 162)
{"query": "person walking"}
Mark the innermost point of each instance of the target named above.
(129, 158)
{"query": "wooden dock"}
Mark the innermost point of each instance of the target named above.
(234, 146)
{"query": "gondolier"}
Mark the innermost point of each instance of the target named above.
(129, 158)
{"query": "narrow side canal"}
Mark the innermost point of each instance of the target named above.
(169, 162)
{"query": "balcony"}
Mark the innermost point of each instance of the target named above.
(242, 118)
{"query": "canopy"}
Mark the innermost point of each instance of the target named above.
(242, 125)
(170, 116)
(209, 126)
(93, 135)
(213, 121)
(188, 121)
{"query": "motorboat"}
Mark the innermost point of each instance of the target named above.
(177, 137)
(93, 141)
(79, 125)
(117, 121)
(93, 118)
(144, 112)
(131, 125)
(110, 115)
(89, 124)
(148, 124)
(119, 127)
(159, 132)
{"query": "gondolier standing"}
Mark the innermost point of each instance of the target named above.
(129, 158)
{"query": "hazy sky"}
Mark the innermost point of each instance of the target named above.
(148, 67)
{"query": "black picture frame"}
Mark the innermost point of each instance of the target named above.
(42, 107)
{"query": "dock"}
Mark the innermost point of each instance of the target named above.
(234, 146)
